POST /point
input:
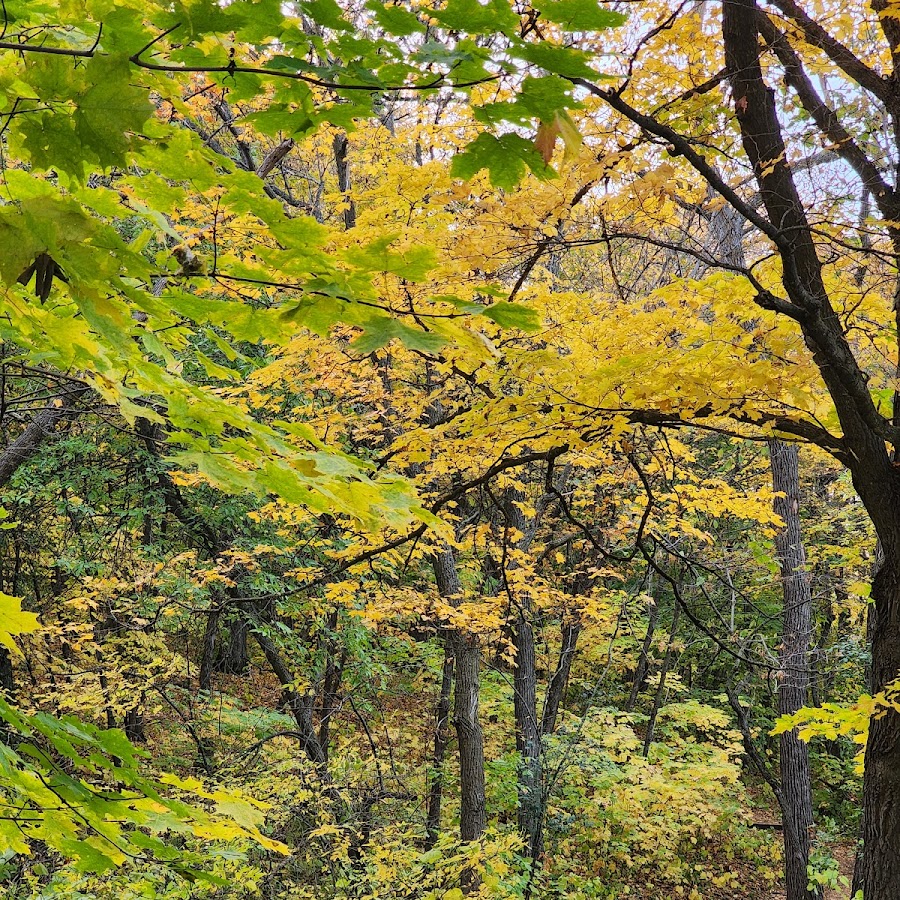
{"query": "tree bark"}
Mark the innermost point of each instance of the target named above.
(881, 783)
(207, 656)
(436, 780)
(556, 691)
(342, 164)
(467, 655)
(233, 657)
(796, 630)
(528, 733)
(875, 478)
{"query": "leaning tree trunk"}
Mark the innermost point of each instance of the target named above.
(556, 692)
(863, 443)
(467, 654)
(796, 628)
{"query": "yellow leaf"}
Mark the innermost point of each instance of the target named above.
(545, 139)
(14, 621)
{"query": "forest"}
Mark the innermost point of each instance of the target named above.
(450, 449)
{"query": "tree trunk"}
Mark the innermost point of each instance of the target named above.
(881, 783)
(207, 657)
(661, 687)
(331, 682)
(528, 738)
(796, 630)
(528, 734)
(640, 675)
(134, 726)
(467, 654)
(234, 657)
(7, 676)
(39, 429)
(556, 692)
(436, 780)
(341, 146)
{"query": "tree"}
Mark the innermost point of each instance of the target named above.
(788, 40)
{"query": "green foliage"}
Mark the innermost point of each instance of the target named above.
(507, 158)
(105, 813)
(671, 822)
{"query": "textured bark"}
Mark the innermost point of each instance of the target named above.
(528, 738)
(796, 631)
(881, 784)
(467, 655)
(133, 726)
(299, 705)
(556, 691)
(341, 146)
(530, 812)
(331, 682)
(233, 657)
(210, 636)
(436, 781)
(7, 676)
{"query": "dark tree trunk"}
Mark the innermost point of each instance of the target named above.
(528, 738)
(7, 690)
(233, 657)
(796, 631)
(556, 692)
(208, 655)
(299, 705)
(7, 677)
(342, 164)
(134, 726)
(640, 675)
(467, 655)
(331, 682)
(37, 431)
(881, 784)
(436, 780)
(661, 687)
(863, 441)
(528, 733)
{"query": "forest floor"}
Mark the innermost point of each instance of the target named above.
(844, 854)
(764, 812)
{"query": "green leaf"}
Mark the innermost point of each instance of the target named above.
(513, 315)
(507, 158)
(326, 13)
(89, 855)
(472, 17)
(580, 15)
(565, 61)
(413, 263)
(539, 98)
(395, 19)
(109, 110)
(381, 331)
